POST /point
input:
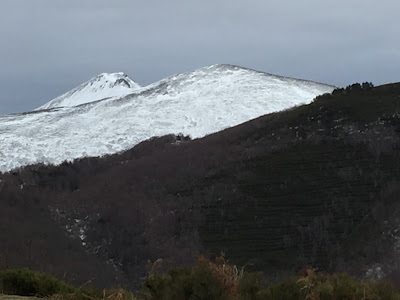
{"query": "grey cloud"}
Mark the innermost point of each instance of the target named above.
(48, 46)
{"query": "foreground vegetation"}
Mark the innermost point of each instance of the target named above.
(216, 279)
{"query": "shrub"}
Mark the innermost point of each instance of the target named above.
(184, 283)
(228, 275)
(25, 282)
(320, 286)
(285, 290)
(249, 286)
(312, 285)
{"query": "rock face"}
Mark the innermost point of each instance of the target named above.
(317, 184)
(105, 116)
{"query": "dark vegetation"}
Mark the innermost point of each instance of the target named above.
(207, 280)
(317, 184)
(25, 282)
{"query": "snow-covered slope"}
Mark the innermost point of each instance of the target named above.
(195, 103)
(103, 86)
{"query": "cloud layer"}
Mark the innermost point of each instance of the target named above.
(49, 47)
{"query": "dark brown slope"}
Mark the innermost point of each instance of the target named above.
(317, 184)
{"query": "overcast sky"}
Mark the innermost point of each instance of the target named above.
(50, 46)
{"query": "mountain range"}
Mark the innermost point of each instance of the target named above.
(112, 113)
(315, 184)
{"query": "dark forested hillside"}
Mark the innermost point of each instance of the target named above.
(317, 184)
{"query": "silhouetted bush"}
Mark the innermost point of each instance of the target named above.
(367, 86)
(355, 87)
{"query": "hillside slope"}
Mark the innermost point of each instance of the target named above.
(196, 103)
(317, 184)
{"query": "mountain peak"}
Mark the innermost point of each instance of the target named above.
(101, 87)
(194, 103)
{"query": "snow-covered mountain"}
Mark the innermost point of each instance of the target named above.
(103, 86)
(111, 113)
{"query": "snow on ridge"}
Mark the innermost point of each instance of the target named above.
(195, 103)
(226, 74)
(102, 86)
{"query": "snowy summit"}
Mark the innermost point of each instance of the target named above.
(112, 113)
(101, 87)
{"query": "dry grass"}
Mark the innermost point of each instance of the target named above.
(228, 275)
(310, 280)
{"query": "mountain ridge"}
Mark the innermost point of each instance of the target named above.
(137, 89)
(195, 103)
